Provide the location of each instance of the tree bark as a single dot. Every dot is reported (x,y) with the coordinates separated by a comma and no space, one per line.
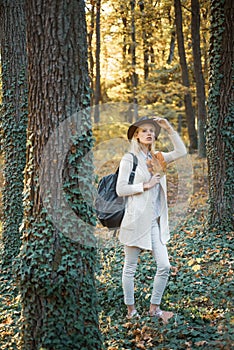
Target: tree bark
(98,72)
(123,13)
(144,40)
(221,116)
(200,84)
(146,29)
(134,75)
(13,120)
(57,260)
(90,48)
(185,78)
(172,47)
(129,57)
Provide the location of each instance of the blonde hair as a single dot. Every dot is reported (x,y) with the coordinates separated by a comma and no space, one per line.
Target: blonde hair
(135,146)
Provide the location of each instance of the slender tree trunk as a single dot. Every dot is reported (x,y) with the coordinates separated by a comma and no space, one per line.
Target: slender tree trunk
(144,40)
(13,120)
(123,14)
(185,78)
(146,28)
(57,260)
(200,84)
(221,116)
(172,47)
(90,48)
(129,56)
(98,73)
(145,35)
(133,57)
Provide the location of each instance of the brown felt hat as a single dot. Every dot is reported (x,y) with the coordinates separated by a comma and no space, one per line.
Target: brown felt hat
(139,122)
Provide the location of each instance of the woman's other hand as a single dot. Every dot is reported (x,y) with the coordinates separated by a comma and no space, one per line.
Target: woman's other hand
(155,179)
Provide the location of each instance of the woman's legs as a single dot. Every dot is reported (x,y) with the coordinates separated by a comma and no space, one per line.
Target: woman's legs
(129,269)
(160,255)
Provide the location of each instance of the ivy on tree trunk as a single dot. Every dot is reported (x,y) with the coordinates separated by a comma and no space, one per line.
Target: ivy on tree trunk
(221,116)
(13,121)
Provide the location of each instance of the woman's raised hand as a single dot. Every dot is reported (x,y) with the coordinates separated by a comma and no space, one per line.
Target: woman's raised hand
(163,123)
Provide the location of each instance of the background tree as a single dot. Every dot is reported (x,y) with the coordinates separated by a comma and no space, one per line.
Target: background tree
(172,47)
(189,111)
(148,51)
(13,120)
(127,11)
(97,92)
(91,27)
(134,76)
(55,270)
(200,83)
(221,115)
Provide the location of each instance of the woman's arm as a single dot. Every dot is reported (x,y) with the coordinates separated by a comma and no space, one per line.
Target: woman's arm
(179,147)
(123,188)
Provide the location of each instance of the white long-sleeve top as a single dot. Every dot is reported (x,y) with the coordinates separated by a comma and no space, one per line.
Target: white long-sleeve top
(135,228)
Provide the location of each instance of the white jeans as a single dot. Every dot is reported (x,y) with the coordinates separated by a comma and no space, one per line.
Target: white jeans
(160,255)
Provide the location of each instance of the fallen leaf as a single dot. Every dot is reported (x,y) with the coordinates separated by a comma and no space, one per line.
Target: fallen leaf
(201,343)
(191,262)
(196,267)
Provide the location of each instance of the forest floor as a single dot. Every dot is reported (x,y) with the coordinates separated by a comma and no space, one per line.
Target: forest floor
(199,293)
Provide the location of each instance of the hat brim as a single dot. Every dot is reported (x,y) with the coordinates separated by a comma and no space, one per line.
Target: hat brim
(132,129)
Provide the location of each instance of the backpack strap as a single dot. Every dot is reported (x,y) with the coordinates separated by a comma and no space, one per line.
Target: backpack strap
(134,166)
(131,177)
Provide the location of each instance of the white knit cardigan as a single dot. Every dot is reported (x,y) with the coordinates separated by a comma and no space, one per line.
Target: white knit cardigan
(135,228)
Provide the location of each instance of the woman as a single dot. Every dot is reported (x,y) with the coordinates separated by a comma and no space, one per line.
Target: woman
(145,222)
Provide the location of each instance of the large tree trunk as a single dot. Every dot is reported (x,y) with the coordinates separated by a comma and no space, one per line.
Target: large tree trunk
(200,84)
(221,116)
(185,78)
(13,120)
(57,259)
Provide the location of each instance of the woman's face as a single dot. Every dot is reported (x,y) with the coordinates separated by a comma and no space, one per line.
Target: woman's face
(145,134)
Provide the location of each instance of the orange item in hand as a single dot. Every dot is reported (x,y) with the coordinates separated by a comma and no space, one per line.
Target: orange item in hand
(157,164)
